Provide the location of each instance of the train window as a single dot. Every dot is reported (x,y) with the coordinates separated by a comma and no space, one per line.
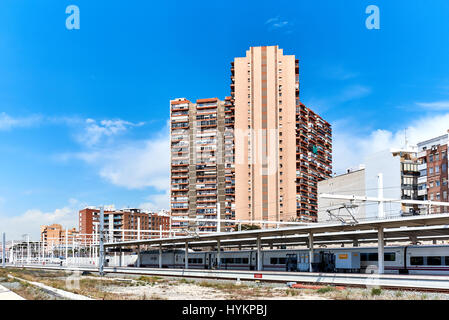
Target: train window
(434,261)
(278,260)
(238,260)
(372,257)
(363,257)
(446,261)
(195,260)
(416,261)
(245,260)
(390,256)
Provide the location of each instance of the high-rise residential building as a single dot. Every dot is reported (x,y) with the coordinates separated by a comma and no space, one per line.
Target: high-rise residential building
(257,155)
(433,168)
(198,163)
(282,148)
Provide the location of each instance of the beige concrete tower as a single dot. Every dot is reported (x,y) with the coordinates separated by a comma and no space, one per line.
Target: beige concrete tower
(265,143)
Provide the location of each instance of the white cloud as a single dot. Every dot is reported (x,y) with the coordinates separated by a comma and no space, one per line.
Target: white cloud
(7,122)
(133,164)
(437,105)
(30,221)
(156,202)
(138,165)
(350,148)
(94,132)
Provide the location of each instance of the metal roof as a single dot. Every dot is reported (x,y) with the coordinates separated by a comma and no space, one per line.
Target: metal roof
(365,231)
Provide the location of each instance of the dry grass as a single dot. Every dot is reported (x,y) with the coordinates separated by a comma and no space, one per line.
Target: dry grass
(109,288)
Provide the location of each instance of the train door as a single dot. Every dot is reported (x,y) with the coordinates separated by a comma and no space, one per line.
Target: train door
(252,260)
(292,262)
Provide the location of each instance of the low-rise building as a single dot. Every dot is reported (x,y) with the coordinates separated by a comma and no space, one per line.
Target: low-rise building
(127,224)
(399,169)
(433,169)
(54,234)
(350,183)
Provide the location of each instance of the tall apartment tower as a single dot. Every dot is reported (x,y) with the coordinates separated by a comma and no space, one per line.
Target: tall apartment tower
(256,155)
(201,172)
(282,148)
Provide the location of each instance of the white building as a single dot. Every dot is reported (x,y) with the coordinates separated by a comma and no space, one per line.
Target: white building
(400,173)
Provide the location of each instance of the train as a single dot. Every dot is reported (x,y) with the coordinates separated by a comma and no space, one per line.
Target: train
(407,259)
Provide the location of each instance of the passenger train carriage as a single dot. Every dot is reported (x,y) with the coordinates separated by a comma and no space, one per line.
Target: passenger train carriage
(413,259)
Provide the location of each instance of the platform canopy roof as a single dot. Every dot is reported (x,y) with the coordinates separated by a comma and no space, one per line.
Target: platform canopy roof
(435,226)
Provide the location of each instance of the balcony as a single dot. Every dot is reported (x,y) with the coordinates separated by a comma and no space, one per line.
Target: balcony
(422,166)
(422,192)
(422,179)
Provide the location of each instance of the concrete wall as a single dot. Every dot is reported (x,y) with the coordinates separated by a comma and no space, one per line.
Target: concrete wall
(383,162)
(352,183)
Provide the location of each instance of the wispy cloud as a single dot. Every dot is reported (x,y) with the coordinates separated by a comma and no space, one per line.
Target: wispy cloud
(353,92)
(133,164)
(338,72)
(156,201)
(350,148)
(277,23)
(29,221)
(436,105)
(93,132)
(8,122)
(348,93)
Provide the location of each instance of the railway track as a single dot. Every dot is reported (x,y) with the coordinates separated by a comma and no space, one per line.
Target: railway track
(405,282)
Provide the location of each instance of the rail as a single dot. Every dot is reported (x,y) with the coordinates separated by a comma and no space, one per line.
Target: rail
(437,283)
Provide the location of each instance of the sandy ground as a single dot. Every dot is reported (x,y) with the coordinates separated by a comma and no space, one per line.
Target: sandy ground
(192,291)
(6,294)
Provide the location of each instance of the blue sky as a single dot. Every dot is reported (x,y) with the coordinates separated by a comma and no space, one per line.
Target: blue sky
(83,113)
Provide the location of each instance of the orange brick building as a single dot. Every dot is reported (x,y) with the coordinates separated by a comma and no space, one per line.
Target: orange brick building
(55,234)
(119,223)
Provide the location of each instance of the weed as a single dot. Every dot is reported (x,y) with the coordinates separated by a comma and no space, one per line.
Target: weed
(376,291)
(325,289)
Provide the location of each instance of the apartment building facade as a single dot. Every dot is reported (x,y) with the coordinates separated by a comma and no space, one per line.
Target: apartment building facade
(127,223)
(257,155)
(433,168)
(55,234)
(198,183)
(282,147)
